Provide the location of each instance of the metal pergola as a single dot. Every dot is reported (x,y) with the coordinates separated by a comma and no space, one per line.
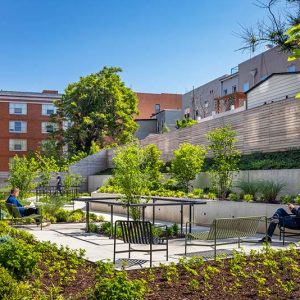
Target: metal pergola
(151,202)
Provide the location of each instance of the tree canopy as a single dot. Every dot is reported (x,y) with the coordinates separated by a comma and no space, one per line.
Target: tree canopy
(280,16)
(99,109)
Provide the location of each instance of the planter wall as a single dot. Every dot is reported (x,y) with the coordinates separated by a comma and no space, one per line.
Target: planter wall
(203,214)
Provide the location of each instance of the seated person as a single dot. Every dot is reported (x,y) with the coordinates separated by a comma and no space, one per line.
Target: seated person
(280,216)
(24,210)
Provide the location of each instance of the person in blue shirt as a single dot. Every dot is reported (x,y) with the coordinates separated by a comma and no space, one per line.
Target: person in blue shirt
(24,210)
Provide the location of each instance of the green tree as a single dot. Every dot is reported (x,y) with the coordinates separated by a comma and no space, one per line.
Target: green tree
(187,163)
(99,109)
(152,165)
(128,174)
(281,15)
(294,39)
(136,170)
(225,157)
(23,174)
(45,166)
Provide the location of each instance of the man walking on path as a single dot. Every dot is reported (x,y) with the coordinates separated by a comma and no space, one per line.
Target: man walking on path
(58,184)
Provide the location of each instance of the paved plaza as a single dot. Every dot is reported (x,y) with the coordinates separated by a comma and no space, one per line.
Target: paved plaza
(100,248)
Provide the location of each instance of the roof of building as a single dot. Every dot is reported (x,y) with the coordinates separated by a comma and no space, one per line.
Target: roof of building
(267,78)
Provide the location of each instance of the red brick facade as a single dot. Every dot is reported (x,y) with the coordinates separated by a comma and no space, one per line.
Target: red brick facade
(148,101)
(33,118)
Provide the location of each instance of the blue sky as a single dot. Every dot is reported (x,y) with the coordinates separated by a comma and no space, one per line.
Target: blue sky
(161,45)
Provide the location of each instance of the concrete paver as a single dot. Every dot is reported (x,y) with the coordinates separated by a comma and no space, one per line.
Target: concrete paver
(99,247)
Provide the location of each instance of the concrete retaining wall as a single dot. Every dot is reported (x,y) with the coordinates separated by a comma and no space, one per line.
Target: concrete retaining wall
(203,214)
(96,181)
(90,165)
(290,176)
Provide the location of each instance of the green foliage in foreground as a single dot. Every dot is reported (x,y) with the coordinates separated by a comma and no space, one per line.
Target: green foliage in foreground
(116,285)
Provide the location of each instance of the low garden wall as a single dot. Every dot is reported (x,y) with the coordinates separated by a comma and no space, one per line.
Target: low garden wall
(203,214)
(290,176)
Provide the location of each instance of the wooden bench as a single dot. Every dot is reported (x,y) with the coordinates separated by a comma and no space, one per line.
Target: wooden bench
(224,229)
(16,216)
(139,233)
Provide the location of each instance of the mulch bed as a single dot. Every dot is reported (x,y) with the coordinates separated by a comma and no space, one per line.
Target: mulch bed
(228,282)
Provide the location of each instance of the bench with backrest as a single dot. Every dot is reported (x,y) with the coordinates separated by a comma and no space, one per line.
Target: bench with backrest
(228,230)
(16,216)
(291,232)
(139,233)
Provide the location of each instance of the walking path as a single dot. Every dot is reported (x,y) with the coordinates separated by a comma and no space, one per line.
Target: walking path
(99,247)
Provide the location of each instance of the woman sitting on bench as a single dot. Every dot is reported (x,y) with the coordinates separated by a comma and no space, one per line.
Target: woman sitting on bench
(24,210)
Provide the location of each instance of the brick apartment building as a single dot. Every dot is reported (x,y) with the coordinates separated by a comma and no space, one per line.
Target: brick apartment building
(24,119)
(24,122)
(150,104)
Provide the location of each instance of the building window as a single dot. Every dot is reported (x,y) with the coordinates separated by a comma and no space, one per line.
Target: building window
(291,68)
(234,88)
(48,127)
(17,108)
(225,92)
(17,126)
(17,145)
(157,108)
(48,109)
(246,86)
(206,103)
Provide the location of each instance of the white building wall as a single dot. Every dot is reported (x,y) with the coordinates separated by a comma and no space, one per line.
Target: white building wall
(276,88)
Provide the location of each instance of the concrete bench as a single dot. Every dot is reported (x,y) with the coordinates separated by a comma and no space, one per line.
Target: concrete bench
(224,229)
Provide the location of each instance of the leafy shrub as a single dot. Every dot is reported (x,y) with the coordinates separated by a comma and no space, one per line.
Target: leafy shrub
(170,231)
(94,228)
(249,187)
(273,160)
(297,200)
(198,193)
(115,285)
(18,257)
(49,218)
(10,289)
(105,228)
(61,215)
(16,233)
(248,198)
(75,217)
(233,197)
(175,229)
(211,196)
(270,189)
(185,122)
(285,199)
